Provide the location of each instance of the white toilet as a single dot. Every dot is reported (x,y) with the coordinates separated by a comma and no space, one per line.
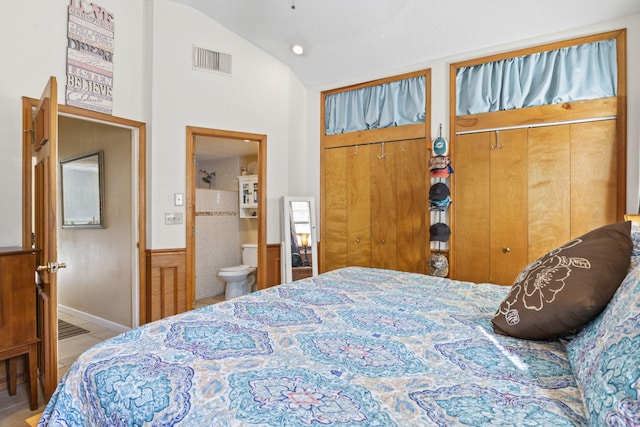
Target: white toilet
(240,279)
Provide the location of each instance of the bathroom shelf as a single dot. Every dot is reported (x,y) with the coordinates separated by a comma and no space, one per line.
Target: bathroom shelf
(248,196)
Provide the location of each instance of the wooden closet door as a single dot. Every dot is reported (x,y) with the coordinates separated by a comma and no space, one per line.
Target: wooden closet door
(508,205)
(383,206)
(334,246)
(471,207)
(358,206)
(594,176)
(412,201)
(549,189)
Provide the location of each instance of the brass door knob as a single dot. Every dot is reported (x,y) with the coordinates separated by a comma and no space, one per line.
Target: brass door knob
(51,267)
(506,250)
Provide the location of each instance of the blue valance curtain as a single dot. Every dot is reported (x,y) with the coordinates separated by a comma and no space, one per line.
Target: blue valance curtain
(390,104)
(574,73)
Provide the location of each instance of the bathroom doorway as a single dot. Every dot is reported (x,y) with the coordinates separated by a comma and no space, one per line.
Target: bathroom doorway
(216,226)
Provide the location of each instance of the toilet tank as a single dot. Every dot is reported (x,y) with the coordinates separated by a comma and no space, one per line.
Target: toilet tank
(250,254)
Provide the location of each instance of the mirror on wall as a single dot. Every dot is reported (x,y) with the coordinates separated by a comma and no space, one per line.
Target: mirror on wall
(82,191)
(299,252)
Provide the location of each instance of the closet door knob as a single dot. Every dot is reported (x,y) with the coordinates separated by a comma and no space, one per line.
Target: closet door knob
(383,241)
(506,250)
(357,240)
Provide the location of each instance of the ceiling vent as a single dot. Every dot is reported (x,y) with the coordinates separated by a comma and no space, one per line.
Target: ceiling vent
(209,60)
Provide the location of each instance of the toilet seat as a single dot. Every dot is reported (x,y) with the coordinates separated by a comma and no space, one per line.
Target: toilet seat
(236,268)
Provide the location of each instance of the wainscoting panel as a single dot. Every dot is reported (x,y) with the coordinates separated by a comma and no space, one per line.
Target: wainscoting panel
(166,283)
(273,265)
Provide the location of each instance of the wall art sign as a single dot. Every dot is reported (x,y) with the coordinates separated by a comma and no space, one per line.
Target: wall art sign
(90,57)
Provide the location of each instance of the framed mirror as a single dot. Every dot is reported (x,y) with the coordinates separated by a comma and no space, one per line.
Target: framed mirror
(82,187)
(299,239)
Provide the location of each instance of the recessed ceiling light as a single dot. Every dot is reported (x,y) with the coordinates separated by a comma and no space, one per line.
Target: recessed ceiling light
(297,49)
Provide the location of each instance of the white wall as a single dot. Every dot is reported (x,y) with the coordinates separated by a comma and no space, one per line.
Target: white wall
(261,97)
(154,83)
(440,96)
(33,47)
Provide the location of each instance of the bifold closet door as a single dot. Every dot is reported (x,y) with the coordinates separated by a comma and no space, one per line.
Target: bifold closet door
(594,176)
(412,201)
(471,201)
(490,206)
(376,206)
(399,200)
(335,210)
(358,205)
(549,189)
(508,207)
(572,182)
(347,214)
(535,190)
(383,206)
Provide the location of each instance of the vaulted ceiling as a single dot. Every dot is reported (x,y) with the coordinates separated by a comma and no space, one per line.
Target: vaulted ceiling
(352,40)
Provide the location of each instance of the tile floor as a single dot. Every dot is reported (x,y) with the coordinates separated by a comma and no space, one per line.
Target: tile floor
(208,301)
(15,409)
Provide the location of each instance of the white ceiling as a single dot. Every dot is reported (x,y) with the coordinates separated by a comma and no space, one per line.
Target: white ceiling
(348,40)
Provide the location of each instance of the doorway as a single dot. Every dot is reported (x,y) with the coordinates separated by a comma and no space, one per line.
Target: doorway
(209,148)
(99,286)
(48,359)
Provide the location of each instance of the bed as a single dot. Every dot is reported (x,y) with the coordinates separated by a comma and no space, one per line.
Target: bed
(358,347)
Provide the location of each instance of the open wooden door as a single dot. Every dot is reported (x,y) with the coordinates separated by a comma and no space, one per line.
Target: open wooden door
(43,127)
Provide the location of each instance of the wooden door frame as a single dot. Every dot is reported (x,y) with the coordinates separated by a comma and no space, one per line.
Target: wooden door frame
(190,200)
(367,137)
(553,113)
(28,104)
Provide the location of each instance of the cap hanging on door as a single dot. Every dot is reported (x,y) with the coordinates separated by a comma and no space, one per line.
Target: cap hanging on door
(438,265)
(439,146)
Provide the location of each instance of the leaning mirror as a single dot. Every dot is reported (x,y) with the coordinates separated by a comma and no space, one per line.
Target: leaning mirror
(299,242)
(82,191)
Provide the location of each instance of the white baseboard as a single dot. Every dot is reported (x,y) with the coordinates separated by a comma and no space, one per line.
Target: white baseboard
(93,319)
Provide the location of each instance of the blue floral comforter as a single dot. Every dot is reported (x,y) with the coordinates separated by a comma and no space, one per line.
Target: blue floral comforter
(352,347)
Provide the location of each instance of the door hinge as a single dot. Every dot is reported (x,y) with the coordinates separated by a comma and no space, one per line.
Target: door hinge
(193,157)
(33,239)
(33,136)
(193,231)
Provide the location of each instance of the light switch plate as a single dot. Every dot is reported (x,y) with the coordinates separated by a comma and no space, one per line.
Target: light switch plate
(172,218)
(178,199)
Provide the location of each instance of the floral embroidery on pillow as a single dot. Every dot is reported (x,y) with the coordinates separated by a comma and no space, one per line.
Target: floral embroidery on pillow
(541,281)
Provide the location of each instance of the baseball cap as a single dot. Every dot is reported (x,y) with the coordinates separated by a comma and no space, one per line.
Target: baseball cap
(439,232)
(442,173)
(439,147)
(439,162)
(438,265)
(439,191)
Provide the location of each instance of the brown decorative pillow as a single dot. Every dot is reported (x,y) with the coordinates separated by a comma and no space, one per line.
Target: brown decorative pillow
(568,287)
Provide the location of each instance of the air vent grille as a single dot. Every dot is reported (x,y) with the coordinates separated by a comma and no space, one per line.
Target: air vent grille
(209,60)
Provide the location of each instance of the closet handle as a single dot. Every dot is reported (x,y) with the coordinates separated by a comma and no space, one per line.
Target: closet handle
(506,250)
(357,240)
(383,241)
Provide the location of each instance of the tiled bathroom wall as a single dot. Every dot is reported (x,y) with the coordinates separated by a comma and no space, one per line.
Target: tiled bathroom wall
(217,238)
(226,170)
